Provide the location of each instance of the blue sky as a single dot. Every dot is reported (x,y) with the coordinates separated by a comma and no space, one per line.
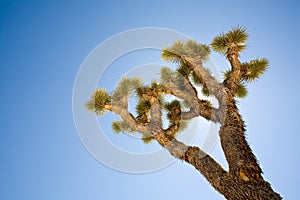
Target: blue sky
(42,45)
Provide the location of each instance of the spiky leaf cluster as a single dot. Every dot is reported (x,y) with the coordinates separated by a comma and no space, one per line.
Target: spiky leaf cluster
(99,99)
(149,91)
(227,74)
(174,111)
(199,82)
(205,91)
(165,74)
(190,49)
(121,126)
(236,37)
(241,90)
(184,70)
(251,71)
(178,77)
(254,69)
(173,53)
(147,139)
(196,80)
(143,107)
(182,126)
(125,87)
(193,48)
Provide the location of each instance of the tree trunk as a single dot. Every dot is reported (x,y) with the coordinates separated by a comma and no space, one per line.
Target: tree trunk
(243,180)
(233,186)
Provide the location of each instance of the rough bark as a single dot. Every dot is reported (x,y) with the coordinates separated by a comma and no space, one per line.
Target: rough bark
(232,186)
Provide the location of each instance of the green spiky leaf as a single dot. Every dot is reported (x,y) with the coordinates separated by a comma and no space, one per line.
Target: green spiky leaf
(165,74)
(219,43)
(125,87)
(140,91)
(196,80)
(174,53)
(99,99)
(227,74)
(174,110)
(116,127)
(147,139)
(135,83)
(182,126)
(254,69)
(152,90)
(143,107)
(237,36)
(241,91)
(205,91)
(193,48)
(121,126)
(155,86)
(190,48)
(169,106)
(184,70)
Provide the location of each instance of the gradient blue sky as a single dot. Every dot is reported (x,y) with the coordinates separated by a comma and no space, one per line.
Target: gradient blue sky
(42,45)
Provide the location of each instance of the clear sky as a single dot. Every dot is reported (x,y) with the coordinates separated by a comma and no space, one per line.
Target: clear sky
(42,45)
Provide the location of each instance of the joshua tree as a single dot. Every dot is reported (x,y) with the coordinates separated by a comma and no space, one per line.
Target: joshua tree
(244,178)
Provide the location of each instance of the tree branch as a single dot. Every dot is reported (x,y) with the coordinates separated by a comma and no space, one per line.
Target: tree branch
(239,156)
(234,78)
(198,107)
(206,165)
(211,83)
(241,160)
